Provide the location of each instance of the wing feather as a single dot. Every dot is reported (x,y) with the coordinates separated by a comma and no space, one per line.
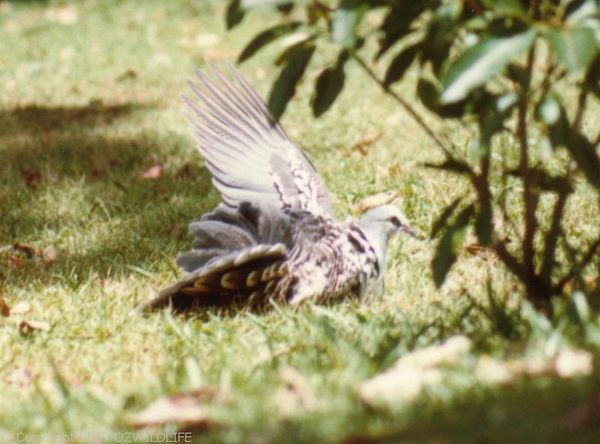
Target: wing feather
(249,156)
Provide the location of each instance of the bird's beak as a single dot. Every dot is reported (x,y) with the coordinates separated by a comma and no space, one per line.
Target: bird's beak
(412,233)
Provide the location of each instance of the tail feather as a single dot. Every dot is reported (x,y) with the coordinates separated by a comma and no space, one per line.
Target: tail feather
(249,274)
(236,253)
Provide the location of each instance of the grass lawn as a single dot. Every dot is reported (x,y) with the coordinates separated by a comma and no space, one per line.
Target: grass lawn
(89,103)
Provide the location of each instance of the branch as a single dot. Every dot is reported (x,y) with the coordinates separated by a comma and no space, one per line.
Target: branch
(587,258)
(552,238)
(529,197)
(407,107)
(581,102)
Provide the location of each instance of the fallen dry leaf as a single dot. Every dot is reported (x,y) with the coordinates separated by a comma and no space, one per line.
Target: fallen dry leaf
(24,248)
(296,397)
(571,363)
(154,172)
(20,308)
(28,327)
(187,410)
(399,385)
(362,145)
(405,380)
(448,352)
(49,254)
(207,39)
(376,200)
(485,253)
(63,15)
(491,371)
(20,377)
(16,262)
(129,74)
(216,53)
(4,308)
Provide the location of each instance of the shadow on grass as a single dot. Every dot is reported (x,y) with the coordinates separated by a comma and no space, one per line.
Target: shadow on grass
(71,176)
(66,141)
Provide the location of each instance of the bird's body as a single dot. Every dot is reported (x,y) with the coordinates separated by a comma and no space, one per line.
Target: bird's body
(274,236)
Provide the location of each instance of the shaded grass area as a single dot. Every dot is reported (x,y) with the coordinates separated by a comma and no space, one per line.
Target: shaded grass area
(89,101)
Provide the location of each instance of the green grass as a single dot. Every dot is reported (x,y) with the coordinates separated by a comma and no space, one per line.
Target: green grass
(88,103)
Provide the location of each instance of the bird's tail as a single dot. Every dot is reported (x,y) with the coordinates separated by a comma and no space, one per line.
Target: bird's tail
(237,254)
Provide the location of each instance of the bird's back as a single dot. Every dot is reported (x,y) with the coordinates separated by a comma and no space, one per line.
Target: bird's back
(328,259)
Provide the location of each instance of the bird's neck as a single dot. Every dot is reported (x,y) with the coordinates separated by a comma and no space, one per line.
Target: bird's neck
(377,238)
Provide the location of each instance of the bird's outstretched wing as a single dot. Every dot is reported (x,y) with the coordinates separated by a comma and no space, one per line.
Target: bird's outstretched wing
(249,156)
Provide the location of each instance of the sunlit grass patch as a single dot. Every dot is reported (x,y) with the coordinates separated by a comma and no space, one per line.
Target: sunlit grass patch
(89,102)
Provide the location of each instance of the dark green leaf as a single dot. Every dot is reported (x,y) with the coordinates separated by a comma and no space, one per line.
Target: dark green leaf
(285,8)
(480,62)
(400,64)
(442,219)
(397,23)
(302,41)
(574,48)
(265,37)
(517,74)
(284,87)
(329,85)
(446,251)
(429,95)
(440,34)
(234,14)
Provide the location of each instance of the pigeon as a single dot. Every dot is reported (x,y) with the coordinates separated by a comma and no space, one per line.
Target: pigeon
(273,237)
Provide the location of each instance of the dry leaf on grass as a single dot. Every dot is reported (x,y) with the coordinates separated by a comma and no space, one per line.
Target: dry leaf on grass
(31,177)
(154,172)
(187,410)
(27,249)
(15,262)
(571,363)
(28,327)
(20,377)
(485,253)
(362,145)
(63,15)
(20,308)
(405,380)
(18,252)
(49,254)
(566,364)
(4,308)
(376,200)
(296,397)
(129,74)
(492,371)
(206,40)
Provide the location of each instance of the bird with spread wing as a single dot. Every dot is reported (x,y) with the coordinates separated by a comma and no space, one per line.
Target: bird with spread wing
(274,235)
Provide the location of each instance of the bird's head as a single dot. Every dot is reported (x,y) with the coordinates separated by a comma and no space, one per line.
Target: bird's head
(388,220)
(381,223)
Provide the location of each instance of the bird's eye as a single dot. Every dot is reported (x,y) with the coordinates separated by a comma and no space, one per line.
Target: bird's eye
(395,221)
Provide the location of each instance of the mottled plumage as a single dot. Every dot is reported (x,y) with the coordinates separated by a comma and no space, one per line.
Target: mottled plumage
(274,236)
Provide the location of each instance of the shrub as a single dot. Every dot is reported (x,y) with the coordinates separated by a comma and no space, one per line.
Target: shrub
(501,67)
